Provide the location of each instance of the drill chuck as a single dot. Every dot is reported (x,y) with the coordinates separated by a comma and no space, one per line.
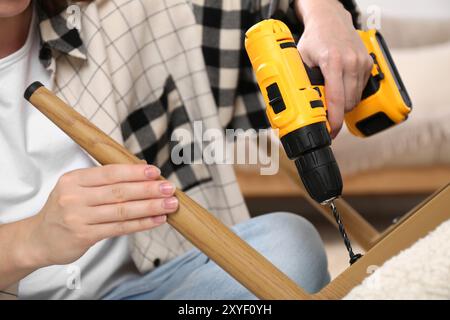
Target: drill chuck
(310,147)
(320,174)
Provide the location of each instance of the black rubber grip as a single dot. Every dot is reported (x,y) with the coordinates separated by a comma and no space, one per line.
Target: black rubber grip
(286,45)
(309,146)
(31,89)
(315,75)
(316,78)
(320,174)
(306,139)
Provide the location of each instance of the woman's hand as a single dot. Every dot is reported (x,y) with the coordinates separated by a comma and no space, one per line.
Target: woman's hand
(89,205)
(331,42)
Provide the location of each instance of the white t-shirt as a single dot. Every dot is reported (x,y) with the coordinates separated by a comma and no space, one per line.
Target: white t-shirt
(34,153)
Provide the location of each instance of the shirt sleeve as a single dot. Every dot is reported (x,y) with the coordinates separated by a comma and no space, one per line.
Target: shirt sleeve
(223,24)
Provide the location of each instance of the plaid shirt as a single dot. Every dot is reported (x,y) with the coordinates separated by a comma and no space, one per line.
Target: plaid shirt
(143,71)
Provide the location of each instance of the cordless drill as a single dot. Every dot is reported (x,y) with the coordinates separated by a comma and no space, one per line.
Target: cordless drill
(295,103)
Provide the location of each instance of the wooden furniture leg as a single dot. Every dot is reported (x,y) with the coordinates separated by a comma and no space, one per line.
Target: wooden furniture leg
(195,223)
(406,216)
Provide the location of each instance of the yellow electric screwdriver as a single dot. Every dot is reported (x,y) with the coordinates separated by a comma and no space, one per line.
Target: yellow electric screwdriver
(295,104)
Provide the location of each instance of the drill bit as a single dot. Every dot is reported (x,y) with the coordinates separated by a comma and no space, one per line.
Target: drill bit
(353,257)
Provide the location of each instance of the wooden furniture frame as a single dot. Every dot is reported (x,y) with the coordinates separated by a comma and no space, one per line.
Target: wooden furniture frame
(391,181)
(230,252)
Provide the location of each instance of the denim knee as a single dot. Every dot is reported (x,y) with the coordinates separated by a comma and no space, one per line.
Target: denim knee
(295,246)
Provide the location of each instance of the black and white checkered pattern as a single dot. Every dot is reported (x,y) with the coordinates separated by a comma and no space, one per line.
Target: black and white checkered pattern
(145,70)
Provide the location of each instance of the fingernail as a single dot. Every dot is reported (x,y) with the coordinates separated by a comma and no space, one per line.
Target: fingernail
(170,203)
(166,188)
(159,219)
(152,172)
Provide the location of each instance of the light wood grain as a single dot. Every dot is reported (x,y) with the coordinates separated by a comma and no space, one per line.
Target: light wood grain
(200,227)
(386,181)
(287,183)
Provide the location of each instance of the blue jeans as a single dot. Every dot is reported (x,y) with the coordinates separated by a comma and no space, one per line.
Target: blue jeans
(287,240)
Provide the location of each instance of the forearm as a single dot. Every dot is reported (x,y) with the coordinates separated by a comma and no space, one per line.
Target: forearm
(17,257)
(311,9)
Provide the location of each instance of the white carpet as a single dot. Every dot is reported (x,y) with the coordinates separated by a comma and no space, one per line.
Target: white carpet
(419,272)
